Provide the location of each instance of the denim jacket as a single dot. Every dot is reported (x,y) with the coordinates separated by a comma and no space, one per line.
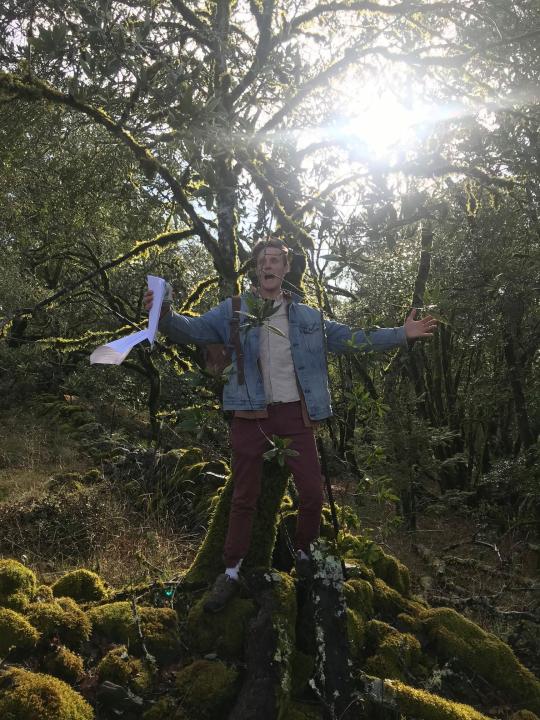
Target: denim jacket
(308,349)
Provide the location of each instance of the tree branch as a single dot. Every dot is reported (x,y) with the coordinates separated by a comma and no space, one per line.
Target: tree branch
(158,241)
(35,90)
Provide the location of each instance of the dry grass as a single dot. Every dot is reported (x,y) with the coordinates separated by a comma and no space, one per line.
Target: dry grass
(99,529)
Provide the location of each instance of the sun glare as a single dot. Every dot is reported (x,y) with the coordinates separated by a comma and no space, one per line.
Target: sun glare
(378,125)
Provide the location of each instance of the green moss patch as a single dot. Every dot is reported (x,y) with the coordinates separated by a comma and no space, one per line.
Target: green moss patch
(482,652)
(17,585)
(355,632)
(390,602)
(17,636)
(81,585)
(159,626)
(64,664)
(61,619)
(34,696)
(206,689)
(302,668)
(359,596)
(414,703)
(394,653)
(223,632)
(119,667)
(302,711)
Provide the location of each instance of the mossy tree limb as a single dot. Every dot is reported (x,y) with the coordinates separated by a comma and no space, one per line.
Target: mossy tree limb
(269,646)
(209,560)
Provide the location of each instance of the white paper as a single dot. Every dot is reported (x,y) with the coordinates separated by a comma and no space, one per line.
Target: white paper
(115,352)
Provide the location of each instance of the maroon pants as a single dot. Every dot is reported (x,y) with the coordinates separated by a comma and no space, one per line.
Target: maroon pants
(249,442)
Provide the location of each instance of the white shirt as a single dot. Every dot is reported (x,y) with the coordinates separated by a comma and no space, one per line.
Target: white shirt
(275,357)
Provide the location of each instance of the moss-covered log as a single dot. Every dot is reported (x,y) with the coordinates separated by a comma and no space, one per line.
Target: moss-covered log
(270,642)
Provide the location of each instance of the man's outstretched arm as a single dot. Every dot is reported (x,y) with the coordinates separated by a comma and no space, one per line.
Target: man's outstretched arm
(341,338)
(182,329)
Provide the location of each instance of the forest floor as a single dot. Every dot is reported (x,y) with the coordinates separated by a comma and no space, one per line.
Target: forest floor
(458,556)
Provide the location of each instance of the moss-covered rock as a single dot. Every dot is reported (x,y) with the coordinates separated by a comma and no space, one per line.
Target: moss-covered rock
(283,612)
(524,715)
(385,566)
(394,653)
(113,622)
(358,570)
(414,703)
(81,585)
(208,562)
(393,572)
(64,664)
(206,689)
(35,696)
(223,632)
(17,636)
(65,483)
(62,619)
(359,596)
(17,585)
(167,708)
(44,594)
(119,667)
(390,602)
(159,626)
(161,633)
(355,632)
(482,652)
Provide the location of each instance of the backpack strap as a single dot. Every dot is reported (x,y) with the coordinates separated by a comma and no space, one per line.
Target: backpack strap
(235,338)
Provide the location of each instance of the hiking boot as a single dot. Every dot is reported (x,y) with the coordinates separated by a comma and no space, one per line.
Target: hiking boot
(222,591)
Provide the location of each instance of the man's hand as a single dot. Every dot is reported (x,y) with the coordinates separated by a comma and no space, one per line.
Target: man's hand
(415,329)
(148,300)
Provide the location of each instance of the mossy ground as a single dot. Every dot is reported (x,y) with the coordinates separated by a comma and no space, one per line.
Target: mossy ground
(392,633)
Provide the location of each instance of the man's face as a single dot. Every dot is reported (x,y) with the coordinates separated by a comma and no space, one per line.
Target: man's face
(271,269)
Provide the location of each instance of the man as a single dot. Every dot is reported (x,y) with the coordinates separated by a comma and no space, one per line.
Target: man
(284,389)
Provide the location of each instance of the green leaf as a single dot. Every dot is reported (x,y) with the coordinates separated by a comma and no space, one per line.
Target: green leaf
(276,330)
